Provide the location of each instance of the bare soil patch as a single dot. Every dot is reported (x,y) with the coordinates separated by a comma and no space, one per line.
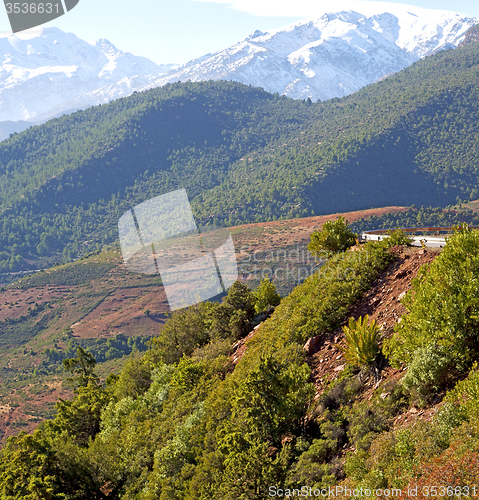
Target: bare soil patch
(123,311)
(26,417)
(15,303)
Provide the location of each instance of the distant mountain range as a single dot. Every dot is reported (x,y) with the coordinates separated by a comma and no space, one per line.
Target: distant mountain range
(46,72)
(332,56)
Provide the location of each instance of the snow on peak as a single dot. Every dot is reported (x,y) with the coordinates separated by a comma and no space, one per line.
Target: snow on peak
(45,71)
(334,54)
(44,67)
(104,45)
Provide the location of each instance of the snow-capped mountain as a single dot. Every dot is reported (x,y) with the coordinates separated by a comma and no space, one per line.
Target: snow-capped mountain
(46,72)
(43,69)
(332,56)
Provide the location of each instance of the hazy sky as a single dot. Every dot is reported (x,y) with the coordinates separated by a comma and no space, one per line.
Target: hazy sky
(175,31)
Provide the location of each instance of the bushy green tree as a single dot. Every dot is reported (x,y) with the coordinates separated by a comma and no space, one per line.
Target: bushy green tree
(82,368)
(272,398)
(465,398)
(196,326)
(53,463)
(398,237)
(266,296)
(240,297)
(334,236)
(184,331)
(80,418)
(430,369)
(312,467)
(43,466)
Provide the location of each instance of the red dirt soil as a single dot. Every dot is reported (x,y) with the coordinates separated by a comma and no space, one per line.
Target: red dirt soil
(289,232)
(15,303)
(10,416)
(124,312)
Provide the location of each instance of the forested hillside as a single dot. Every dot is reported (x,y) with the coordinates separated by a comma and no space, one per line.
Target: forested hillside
(183,423)
(243,155)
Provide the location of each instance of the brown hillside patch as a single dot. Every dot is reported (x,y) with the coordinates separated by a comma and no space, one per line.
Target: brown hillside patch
(472,205)
(26,416)
(15,303)
(263,236)
(123,311)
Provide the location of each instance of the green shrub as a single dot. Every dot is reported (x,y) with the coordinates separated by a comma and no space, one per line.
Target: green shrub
(398,237)
(365,422)
(444,305)
(429,370)
(449,417)
(240,297)
(185,330)
(466,396)
(272,398)
(311,467)
(340,392)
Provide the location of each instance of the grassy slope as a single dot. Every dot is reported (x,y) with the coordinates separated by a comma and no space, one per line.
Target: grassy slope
(95,298)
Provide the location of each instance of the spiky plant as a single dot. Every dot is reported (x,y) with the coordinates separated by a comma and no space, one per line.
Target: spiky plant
(362,348)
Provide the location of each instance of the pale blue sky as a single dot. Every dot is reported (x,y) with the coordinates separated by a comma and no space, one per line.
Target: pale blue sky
(175,31)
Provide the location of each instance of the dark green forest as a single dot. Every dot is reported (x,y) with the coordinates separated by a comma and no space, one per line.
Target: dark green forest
(242,154)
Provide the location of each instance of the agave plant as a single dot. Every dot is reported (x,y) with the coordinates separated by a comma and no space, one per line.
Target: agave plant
(362,348)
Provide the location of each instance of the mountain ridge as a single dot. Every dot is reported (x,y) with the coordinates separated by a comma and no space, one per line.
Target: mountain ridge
(47,73)
(46,67)
(331,56)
